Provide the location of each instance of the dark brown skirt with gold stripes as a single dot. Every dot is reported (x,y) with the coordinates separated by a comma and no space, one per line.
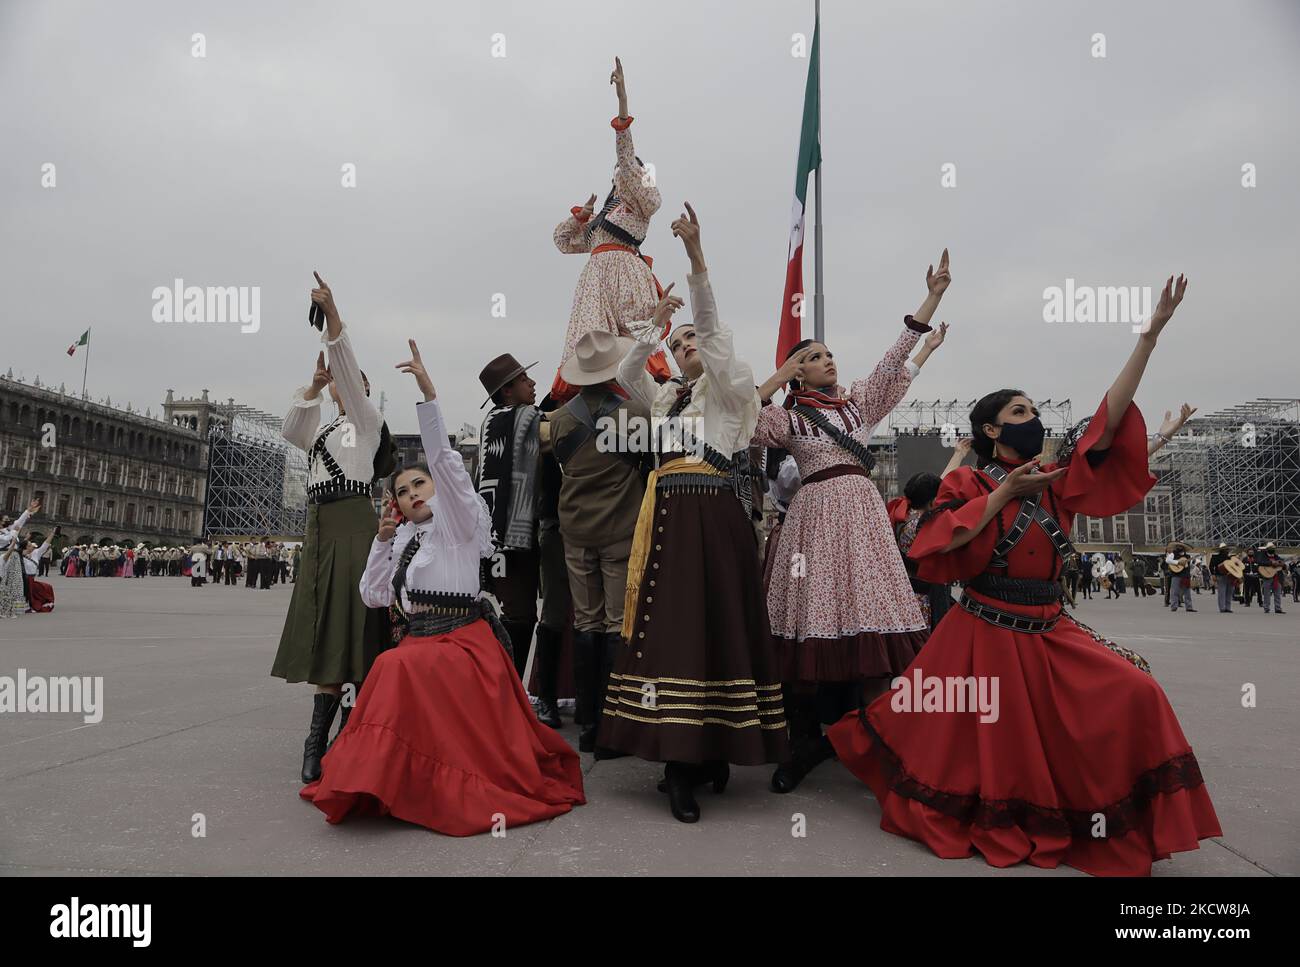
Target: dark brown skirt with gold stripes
(698,680)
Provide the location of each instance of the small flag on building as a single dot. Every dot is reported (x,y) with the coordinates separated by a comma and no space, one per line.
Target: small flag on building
(83,341)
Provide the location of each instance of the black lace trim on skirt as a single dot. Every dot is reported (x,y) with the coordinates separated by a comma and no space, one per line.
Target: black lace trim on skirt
(1174,775)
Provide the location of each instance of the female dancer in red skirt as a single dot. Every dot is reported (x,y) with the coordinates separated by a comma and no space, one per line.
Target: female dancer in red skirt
(442,734)
(1078,757)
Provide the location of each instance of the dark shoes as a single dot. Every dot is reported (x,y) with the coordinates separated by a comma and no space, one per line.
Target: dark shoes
(609,645)
(343,724)
(808,755)
(548,670)
(680,780)
(324,707)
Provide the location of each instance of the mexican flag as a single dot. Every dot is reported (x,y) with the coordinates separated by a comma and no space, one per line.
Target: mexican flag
(83,341)
(810,159)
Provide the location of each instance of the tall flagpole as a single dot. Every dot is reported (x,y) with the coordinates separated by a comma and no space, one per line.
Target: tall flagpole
(87,367)
(819,315)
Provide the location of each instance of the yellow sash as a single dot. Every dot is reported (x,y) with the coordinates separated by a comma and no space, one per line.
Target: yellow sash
(645,527)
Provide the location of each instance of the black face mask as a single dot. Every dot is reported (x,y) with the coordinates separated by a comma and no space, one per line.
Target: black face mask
(1025,438)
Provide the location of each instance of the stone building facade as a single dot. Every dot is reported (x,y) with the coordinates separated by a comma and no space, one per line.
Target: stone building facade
(100,472)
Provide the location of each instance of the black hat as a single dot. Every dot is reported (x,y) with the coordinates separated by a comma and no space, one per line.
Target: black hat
(499,373)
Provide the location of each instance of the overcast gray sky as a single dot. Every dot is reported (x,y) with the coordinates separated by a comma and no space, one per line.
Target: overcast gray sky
(225,170)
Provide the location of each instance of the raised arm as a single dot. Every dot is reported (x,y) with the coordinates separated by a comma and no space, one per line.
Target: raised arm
(634,187)
(1121,392)
(32,508)
(462,509)
(959,453)
(303,418)
(733,379)
(631,371)
(343,368)
(1169,428)
(880,392)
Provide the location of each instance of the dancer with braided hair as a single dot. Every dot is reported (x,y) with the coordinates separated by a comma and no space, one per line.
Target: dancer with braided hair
(330,638)
(1078,757)
(841,606)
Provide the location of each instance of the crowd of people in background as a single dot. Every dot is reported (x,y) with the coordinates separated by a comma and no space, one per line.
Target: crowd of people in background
(1232,573)
(24,563)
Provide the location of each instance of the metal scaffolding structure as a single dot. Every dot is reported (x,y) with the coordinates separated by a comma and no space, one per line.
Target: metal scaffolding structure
(925,418)
(918,417)
(257,481)
(1238,471)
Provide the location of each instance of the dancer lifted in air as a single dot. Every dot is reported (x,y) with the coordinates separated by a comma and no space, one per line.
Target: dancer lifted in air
(616,288)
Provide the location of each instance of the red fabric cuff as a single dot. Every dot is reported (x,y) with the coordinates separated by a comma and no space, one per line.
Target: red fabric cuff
(621,124)
(580,214)
(1120,480)
(915,326)
(936,533)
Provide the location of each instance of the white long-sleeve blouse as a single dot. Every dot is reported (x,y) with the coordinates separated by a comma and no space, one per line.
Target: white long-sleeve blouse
(452,541)
(339,460)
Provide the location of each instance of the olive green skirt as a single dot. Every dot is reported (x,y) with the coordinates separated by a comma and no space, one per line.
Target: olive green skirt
(329,636)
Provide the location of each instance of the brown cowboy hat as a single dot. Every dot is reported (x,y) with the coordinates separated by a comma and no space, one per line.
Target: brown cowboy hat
(499,373)
(596,358)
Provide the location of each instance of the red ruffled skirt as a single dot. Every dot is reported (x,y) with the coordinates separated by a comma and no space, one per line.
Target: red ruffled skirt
(42,596)
(443,735)
(1085,764)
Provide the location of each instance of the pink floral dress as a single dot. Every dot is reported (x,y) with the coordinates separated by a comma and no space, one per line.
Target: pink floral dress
(840,602)
(616,287)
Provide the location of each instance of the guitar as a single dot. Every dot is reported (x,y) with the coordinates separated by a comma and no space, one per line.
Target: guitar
(1179,566)
(1234,568)
(1267,571)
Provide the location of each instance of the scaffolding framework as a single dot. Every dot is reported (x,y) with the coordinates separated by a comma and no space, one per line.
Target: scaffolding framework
(257,480)
(1251,467)
(915,417)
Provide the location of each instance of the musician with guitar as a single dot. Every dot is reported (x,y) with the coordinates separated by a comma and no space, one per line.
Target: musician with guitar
(1227,571)
(1270,577)
(1178,562)
(1250,585)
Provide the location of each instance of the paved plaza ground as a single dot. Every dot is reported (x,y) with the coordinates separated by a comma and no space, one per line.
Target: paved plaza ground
(193,723)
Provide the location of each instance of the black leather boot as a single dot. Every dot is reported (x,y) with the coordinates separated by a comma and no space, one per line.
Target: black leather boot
(716,771)
(611,645)
(324,706)
(547,664)
(680,777)
(521,639)
(587,649)
(809,748)
(808,755)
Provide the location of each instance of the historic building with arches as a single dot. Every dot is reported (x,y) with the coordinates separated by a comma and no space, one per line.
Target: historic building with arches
(102,473)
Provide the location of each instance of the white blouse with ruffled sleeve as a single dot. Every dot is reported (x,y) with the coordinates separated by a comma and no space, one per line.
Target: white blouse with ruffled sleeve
(452,540)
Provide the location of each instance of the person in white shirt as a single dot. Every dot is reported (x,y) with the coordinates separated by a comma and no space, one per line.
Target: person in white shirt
(199,564)
(40,596)
(443,734)
(1108,571)
(12,581)
(330,637)
(694,616)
